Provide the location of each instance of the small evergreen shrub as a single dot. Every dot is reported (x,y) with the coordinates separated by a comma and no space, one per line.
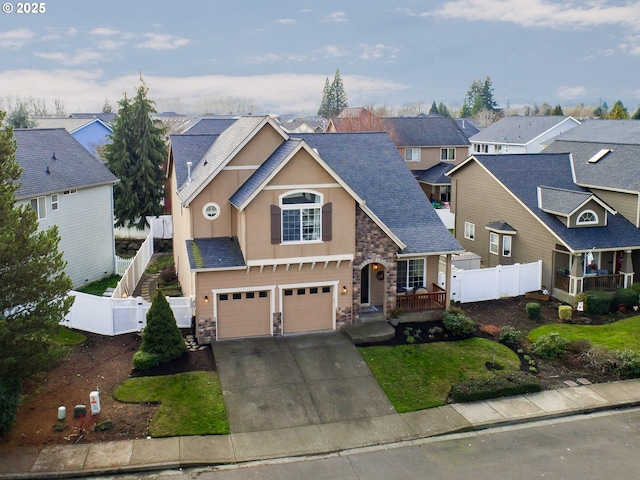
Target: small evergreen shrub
(10,397)
(499,385)
(162,336)
(458,324)
(533,311)
(565,312)
(145,360)
(549,346)
(626,297)
(509,336)
(627,363)
(598,302)
(636,288)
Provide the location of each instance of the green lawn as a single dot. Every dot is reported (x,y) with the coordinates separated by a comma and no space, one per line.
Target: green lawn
(66,336)
(99,287)
(623,334)
(416,377)
(190,403)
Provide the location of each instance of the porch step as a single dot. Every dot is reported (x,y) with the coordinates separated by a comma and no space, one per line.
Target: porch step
(369,332)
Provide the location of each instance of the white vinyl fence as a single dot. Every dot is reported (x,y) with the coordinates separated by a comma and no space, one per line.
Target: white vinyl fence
(115,316)
(493,283)
(136,268)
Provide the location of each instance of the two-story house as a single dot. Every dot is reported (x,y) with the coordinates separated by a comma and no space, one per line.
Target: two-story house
(574,206)
(280,233)
(92,133)
(70,188)
(519,134)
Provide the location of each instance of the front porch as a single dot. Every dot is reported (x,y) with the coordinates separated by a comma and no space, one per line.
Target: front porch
(422,300)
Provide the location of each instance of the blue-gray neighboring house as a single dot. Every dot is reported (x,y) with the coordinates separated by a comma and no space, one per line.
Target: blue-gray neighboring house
(70,188)
(92,133)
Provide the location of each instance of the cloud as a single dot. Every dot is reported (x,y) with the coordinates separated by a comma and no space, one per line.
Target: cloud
(104,32)
(162,41)
(110,45)
(541,13)
(332,51)
(372,52)
(568,92)
(15,38)
(81,57)
(335,17)
(286,21)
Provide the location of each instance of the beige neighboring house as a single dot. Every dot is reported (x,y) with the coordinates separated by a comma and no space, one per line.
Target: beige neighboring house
(278,233)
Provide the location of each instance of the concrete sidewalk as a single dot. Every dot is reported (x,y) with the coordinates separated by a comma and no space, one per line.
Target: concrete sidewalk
(87,460)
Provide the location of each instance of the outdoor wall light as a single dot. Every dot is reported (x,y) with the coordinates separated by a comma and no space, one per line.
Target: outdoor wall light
(344,290)
(375,266)
(206,299)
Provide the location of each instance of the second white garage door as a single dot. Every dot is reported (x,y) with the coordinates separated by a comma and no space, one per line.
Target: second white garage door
(243,314)
(307,309)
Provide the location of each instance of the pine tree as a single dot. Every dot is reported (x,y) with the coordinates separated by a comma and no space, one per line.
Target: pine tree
(443,110)
(618,112)
(557,111)
(323,111)
(636,114)
(106,107)
(334,98)
(32,280)
(480,97)
(434,109)
(162,336)
(136,156)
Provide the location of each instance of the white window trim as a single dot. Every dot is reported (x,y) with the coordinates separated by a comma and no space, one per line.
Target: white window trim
(55,204)
(469,231)
(424,271)
(300,206)
(41,207)
(506,252)
(413,150)
(494,241)
(206,206)
(590,222)
(448,150)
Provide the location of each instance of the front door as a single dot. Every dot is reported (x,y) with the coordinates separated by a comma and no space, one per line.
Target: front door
(364,286)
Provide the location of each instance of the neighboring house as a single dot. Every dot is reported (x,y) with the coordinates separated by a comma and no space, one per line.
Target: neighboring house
(92,133)
(577,211)
(280,233)
(105,117)
(517,134)
(69,188)
(314,124)
(604,131)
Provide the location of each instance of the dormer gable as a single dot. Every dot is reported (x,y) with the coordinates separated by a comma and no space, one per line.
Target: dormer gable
(575,209)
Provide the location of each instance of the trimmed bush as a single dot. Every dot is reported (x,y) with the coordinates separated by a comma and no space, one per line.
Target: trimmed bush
(458,324)
(510,336)
(10,397)
(597,303)
(626,297)
(162,336)
(565,312)
(549,346)
(499,385)
(626,363)
(533,311)
(145,360)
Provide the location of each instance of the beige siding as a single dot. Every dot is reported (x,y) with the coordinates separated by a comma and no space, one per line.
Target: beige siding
(430,156)
(596,208)
(477,198)
(181,218)
(626,204)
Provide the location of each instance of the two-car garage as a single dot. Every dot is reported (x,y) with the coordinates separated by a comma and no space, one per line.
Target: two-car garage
(250,313)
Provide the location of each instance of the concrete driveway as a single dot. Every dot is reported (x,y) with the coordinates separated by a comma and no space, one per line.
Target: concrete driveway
(287,381)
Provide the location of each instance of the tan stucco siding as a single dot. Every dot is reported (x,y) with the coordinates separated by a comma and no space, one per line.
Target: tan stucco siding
(594,207)
(626,204)
(430,156)
(181,218)
(479,199)
(258,149)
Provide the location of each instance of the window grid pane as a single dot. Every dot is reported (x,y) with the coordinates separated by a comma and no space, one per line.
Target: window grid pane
(402,274)
(416,273)
(311,224)
(290,225)
(493,243)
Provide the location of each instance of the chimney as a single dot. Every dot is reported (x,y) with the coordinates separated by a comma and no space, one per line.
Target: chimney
(189,171)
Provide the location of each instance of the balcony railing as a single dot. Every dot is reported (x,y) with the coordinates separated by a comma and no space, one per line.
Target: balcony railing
(606,283)
(421,302)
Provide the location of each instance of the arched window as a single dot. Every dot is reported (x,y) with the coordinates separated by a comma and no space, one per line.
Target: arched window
(588,217)
(301,217)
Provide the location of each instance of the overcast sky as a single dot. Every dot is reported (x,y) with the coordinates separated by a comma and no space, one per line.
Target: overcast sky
(276,55)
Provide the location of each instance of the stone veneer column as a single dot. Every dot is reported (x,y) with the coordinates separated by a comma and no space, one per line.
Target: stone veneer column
(373,246)
(205,330)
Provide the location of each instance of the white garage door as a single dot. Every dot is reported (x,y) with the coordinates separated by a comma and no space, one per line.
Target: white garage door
(243,314)
(307,309)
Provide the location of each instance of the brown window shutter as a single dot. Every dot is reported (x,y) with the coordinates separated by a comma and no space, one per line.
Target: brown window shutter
(275,224)
(326,222)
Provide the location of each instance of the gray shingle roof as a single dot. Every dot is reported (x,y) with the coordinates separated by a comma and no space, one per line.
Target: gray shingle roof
(188,148)
(220,252)
(213,126)
(618,170)
(425,131)
(604,131)
(517,130)
(436,174)
(523,173)
(561,201)
(371,165)
(69,124)
(73,167)
(501,226)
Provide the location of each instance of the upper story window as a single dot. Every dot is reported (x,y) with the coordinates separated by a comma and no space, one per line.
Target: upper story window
(55,202)
(39,206)
(469,231)
(211,211)
(588,217)
(447,154)
(494,240)
(411,154)
(481,148)
(301,217)
(506,246)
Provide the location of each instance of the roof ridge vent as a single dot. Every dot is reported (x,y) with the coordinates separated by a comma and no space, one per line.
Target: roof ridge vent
(598,156)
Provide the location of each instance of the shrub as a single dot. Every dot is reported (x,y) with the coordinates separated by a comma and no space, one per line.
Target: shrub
(578,346)
(636,288)
(626,297)
(168,274)
(565,312)
(162,335)
(598,303)
(10,396)
(549,346)
(510,336)
(145,360)
(499,385)
(458,324)
(626,363)
(533,311)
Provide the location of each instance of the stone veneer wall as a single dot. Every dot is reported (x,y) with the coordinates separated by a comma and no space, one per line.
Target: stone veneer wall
(373,246)
(205,330)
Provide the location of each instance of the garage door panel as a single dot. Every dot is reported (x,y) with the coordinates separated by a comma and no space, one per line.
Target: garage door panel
(307,309)
(243,314)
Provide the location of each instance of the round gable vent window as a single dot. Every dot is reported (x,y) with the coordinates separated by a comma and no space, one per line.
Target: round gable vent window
(211,211)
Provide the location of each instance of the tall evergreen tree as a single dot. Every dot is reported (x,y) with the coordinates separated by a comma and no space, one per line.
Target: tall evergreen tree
(434,108)
(323,111)
(618,112)
(106,107)
(443,110)
(334,98)
(32,280)
(480,97)
(136,156)
(557,111)
(636,114)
